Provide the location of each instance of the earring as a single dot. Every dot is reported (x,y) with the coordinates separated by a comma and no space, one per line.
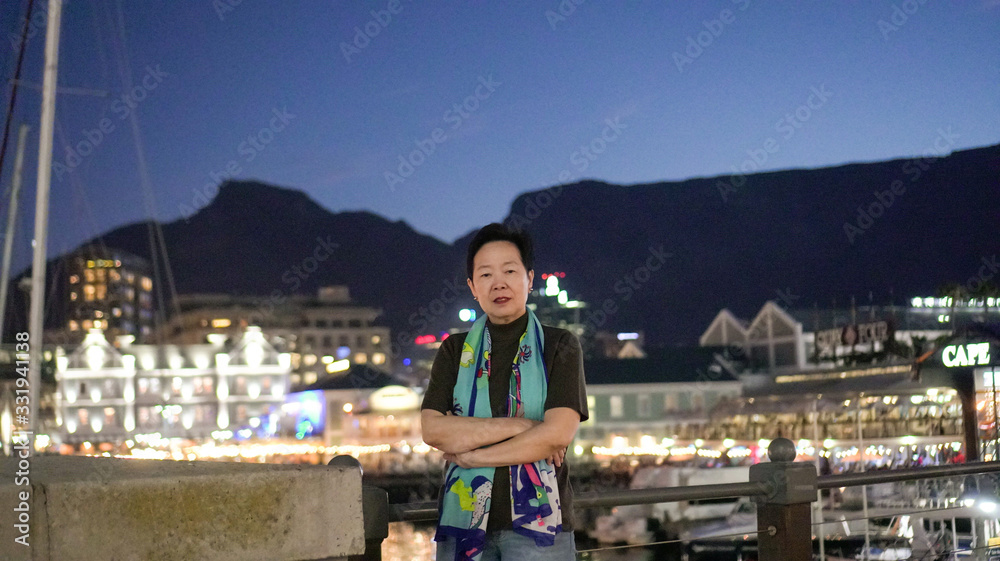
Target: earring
(476,299)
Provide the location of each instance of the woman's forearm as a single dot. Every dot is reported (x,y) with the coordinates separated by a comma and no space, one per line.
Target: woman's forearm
(455,435)
(539,443)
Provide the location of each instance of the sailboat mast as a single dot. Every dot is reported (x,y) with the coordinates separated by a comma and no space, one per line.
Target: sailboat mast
(45,133)
(8,241)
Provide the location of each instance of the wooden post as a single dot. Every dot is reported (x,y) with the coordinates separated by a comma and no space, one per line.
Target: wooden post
(784,523)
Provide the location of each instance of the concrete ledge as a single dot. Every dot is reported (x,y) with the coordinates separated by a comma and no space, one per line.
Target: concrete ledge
(124,510)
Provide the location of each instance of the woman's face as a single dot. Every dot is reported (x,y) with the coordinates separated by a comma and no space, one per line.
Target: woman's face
(499,281)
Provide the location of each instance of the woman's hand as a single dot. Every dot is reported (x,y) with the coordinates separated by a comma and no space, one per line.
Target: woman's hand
(557,458)
(464,460)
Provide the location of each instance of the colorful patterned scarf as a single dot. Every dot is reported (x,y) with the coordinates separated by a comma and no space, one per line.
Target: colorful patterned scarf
(464,505)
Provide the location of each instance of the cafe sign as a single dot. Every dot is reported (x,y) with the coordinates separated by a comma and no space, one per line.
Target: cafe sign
(971,354)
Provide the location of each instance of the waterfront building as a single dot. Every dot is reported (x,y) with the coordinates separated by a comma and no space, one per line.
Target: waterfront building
(105,289)
(112,393)
(656,401)
(872,375)
(324,334)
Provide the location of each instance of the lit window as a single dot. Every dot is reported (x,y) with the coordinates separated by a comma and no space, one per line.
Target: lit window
(310,378)
(617,406)
(88,275)
(360,358)
(88,292)
(117,312)
(309,360)
(102,291)
(73,325)
(378,358)
(100,274)
(84,416)
(73,296)
(98,314)
(98,324)
(220,323)
(88,324)
(146,283)
(73,279)
(114,276)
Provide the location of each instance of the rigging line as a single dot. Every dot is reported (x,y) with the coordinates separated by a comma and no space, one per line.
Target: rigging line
(890,515)
(144,175)
(156,230)
(13,92)
(81,199)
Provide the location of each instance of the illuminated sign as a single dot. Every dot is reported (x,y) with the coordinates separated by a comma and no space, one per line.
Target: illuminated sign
(849,335)
(394,398)
(627,336)
(425,339)
(966,355)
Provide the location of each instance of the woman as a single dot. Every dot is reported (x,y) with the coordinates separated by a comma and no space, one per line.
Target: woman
(503,403)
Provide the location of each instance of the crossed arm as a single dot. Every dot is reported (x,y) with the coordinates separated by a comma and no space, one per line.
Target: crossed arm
(504,441)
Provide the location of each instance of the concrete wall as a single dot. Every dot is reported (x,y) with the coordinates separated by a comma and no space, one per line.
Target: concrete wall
(123,510)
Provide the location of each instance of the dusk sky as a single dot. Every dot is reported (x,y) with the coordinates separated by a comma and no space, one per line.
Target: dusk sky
(508,95)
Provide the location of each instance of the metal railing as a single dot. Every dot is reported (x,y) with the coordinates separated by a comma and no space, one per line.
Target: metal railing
(783,489)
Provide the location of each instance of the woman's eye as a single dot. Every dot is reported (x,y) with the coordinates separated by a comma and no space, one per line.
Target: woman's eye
(484,275)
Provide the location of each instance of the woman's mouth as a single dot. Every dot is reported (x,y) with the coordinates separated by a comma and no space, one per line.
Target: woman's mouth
(501,300)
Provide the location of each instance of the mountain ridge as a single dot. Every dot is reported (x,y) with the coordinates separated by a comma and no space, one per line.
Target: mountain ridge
(733,241)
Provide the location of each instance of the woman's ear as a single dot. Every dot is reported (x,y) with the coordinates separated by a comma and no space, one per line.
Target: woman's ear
(472,289)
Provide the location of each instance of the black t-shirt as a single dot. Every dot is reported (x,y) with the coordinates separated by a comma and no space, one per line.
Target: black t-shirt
(566,388)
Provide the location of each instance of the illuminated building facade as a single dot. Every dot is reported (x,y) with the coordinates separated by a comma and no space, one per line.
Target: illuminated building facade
(109,393)
(324,334)
(668,394)
(109,290)
(553,306)
(780,342)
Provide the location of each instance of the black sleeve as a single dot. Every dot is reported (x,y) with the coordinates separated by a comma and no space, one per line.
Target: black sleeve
(444,373)
(567,386)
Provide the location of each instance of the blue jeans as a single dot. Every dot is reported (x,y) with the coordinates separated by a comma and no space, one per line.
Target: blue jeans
(506,545)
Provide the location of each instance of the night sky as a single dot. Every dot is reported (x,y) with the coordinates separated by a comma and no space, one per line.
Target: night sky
(501,98)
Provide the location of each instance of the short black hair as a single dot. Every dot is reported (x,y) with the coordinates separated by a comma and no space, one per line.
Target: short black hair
(497,232)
